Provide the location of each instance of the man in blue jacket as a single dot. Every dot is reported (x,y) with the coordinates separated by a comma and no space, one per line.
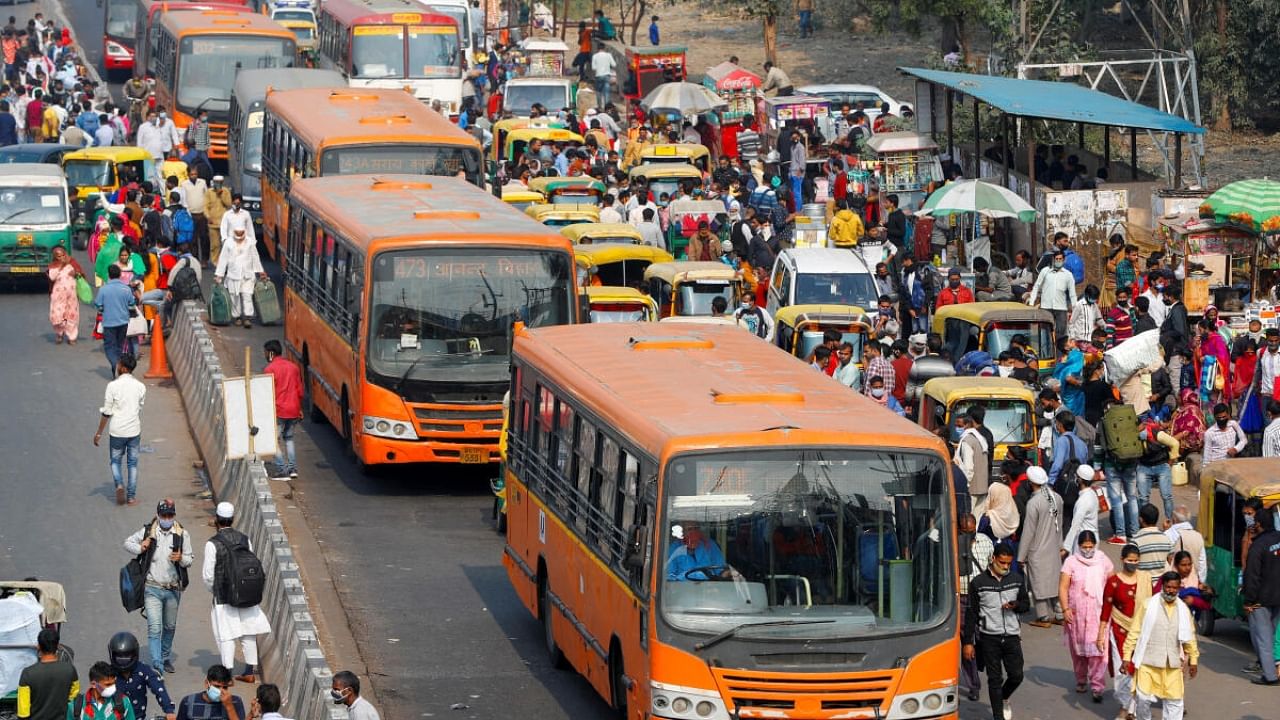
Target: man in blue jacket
(115,301)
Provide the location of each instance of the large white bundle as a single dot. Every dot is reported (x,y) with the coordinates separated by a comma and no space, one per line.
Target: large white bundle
(1132,355)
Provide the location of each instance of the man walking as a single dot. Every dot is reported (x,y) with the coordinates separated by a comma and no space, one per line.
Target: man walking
(1039,545)
(1154,547)
(1225,438)
(195,194)
(45,688)
(976,550)
(973,457)
(122,418)
(1261,595)
(116,302)
(136,678)
(1056,289)
(990,631)
(346,691)
(288,384)
(168,553)
(238,265)
(217,201)
(602,68)
(1154,654)
(231,623)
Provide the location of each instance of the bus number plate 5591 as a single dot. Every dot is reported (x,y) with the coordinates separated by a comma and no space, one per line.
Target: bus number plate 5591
(475,456)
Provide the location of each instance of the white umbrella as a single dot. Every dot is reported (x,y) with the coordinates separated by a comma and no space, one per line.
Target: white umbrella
(976,196)
(683,97)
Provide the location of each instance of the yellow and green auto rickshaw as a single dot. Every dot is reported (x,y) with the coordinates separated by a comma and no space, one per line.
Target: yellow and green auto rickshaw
(1225,485)
(618,264)
(100,171)
(1009,404)
(509,141)
(665,179)
(990,326)
(800,328)
(521,199)
(685,287)
(688,153)
(562,215)
(602,234)
(613,304)
(569,190)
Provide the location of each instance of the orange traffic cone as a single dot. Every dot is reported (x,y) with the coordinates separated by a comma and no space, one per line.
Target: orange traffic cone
(159,368)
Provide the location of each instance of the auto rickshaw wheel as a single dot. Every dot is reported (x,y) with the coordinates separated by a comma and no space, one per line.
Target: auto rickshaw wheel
(80,240)
(1205,623)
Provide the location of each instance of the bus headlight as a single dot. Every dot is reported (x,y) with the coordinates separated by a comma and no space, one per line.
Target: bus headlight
(926,704)
(685,703)
(388,428)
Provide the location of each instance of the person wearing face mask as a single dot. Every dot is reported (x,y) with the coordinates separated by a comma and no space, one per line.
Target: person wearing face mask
(1118,319)
(345,690)
(1154,655)
(102,699)
(1156,284)
(1080,592)
(1261,593)
(215,702)
(885,321)
(990,631)
(1225,438)
(754,318)
(1084,514)
(1125,591)
(878,391)
(1085,316)
(1055,288)
(1038,546)
(1175,329)
(149,137)
(955,293)
(168,553)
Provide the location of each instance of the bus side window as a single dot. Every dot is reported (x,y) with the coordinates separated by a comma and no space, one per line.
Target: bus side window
(610,454)
(586,451)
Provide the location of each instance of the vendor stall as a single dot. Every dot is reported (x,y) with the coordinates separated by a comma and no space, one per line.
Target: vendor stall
(738,87)
(778,116)
(543,57)
(905,164)
(645,68)
(1227,254)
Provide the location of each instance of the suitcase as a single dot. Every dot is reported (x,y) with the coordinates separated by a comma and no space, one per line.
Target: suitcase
(266,302)
(1120,428)
(219,306)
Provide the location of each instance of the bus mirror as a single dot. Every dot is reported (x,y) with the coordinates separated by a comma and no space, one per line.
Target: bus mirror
(635,547)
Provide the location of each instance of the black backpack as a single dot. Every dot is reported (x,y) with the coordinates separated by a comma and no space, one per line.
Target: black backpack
(185,284)
(238,576)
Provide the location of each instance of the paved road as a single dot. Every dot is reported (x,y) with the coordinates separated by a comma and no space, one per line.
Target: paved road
(58,518)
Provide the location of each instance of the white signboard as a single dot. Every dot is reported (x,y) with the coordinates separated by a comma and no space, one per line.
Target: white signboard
(241,415)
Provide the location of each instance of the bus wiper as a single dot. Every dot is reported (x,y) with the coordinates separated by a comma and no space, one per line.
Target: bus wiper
(405,376)
(734,630)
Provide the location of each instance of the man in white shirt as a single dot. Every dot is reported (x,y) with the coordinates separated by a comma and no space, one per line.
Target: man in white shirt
(649,229)
(345,690)
(122,419)
(150,136)
(238,266)
(636,216)
(193,193)
(602,66)
(1155,293)
(1268,364)
(1056,289)
(609,211)
(169,136)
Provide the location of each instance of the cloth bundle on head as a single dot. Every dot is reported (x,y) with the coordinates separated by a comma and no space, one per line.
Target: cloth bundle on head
(1037,475)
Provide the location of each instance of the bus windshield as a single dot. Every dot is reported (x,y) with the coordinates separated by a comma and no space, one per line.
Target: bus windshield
(122,19)
(405,159)
(377,51)
(521,98)
(452,310)
(433,52)
(846,542)
(835,289)
(33,206)
(88,173)
(208,64)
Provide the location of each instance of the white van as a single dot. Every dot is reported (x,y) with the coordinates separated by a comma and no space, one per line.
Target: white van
(820,276)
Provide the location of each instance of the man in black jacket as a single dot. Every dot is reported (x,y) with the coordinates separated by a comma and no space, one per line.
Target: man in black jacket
(1261,594)
(895,223)
(1175,329)
(1142,320)
(991,631)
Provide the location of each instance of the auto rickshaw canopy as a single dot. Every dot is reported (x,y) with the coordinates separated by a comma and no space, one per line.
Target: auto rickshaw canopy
(603,234)
(947,390)
(983,313)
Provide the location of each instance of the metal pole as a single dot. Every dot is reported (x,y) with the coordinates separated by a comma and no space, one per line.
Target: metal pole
(1106,147)
(248,397)
(951,140)
(977,143)
(1004,149)
(1133,154)
(1177,160)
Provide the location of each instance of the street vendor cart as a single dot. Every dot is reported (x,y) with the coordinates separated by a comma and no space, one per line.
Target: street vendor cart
(739,88)
(778,116)
(905,164)
(543,57)
(1228,253)
(645,68)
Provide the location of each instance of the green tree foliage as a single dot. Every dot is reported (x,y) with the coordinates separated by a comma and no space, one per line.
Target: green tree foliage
(961,19)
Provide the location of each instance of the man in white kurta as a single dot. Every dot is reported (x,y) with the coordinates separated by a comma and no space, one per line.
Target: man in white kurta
(238,266)
(1162,639)
(232,623)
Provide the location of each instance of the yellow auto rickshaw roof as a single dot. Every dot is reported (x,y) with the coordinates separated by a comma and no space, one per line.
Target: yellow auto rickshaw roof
(986,312)
(606,253)
(822,314)
(689,151)
(618,293)
(565,211)
(554,134)
(949,389)
(1248,477)
(691,270)
(114,153)
(597,230)
(548,185)
(662,171)
(515,196)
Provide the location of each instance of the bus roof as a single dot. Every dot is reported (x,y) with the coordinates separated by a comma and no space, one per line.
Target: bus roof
(252,85)
(383,12)
(696,383)
(374,208)
(362,116)
(223,21)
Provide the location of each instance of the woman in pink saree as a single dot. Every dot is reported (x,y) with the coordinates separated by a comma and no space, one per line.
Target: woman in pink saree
(64,305)
(1080,590)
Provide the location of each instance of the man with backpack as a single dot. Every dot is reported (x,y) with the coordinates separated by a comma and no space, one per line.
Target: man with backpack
(102,700)
(234,575)
(1069,453)
(167,553)
(215,702)
(184,226)
(1123,449)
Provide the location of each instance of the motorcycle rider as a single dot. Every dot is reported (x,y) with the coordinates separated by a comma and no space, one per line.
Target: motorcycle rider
(136,677)
(136,92)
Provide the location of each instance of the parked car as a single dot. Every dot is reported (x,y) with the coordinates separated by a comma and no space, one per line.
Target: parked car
(35,153)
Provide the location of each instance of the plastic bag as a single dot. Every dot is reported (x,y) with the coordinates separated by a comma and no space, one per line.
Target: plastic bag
(84,291)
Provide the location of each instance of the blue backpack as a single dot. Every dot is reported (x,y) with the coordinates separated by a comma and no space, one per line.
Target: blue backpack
(184,227)
(974,362)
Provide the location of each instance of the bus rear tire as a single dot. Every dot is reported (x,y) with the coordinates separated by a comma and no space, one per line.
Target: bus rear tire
(617,681)
(308,395)
(554,654)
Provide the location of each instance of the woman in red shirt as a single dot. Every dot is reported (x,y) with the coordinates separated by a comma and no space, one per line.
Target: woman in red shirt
(1124,591)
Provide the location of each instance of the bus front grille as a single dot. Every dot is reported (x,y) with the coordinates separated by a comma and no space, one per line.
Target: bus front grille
(481,423)
(764,694)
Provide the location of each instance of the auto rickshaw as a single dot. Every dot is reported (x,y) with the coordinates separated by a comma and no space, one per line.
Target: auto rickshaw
(100,171)
(613,304)
(679,232)
(1009,404)
(602,233)
(665,178)
(509,144)
(26,608)
(521,199)
(562,215)
(688,153)
(800,328)
(569,190)
(990,326)
(617,264)
(687,288)
(1224,487)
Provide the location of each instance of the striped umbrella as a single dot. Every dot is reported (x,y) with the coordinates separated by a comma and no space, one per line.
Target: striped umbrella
(684,98)
(975,196)
(1252,203)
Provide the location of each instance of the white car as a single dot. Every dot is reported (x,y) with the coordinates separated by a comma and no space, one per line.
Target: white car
(869,95)
(820,276)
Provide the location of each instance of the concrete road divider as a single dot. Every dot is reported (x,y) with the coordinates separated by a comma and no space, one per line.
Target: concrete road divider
(291,655)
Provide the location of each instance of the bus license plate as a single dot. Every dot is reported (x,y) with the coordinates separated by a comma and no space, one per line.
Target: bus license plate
(475,456)
(23,269)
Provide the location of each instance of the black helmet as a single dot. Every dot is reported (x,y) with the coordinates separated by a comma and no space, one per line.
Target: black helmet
(122,648)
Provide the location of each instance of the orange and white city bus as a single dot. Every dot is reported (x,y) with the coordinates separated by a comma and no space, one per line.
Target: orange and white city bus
(708,529)
(129,25)
(196,58)
(393,44)
(401,293)
(335,131)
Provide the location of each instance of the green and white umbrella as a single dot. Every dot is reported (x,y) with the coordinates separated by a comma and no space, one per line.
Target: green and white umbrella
(976,196)
(1253,203)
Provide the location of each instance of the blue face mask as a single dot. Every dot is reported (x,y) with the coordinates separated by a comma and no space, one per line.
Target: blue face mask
(166,524)
(214,692)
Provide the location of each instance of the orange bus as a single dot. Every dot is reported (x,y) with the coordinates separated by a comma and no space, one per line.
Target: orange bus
(333,131)
(707,528)
(400,297)
(128,25)
(197,55)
